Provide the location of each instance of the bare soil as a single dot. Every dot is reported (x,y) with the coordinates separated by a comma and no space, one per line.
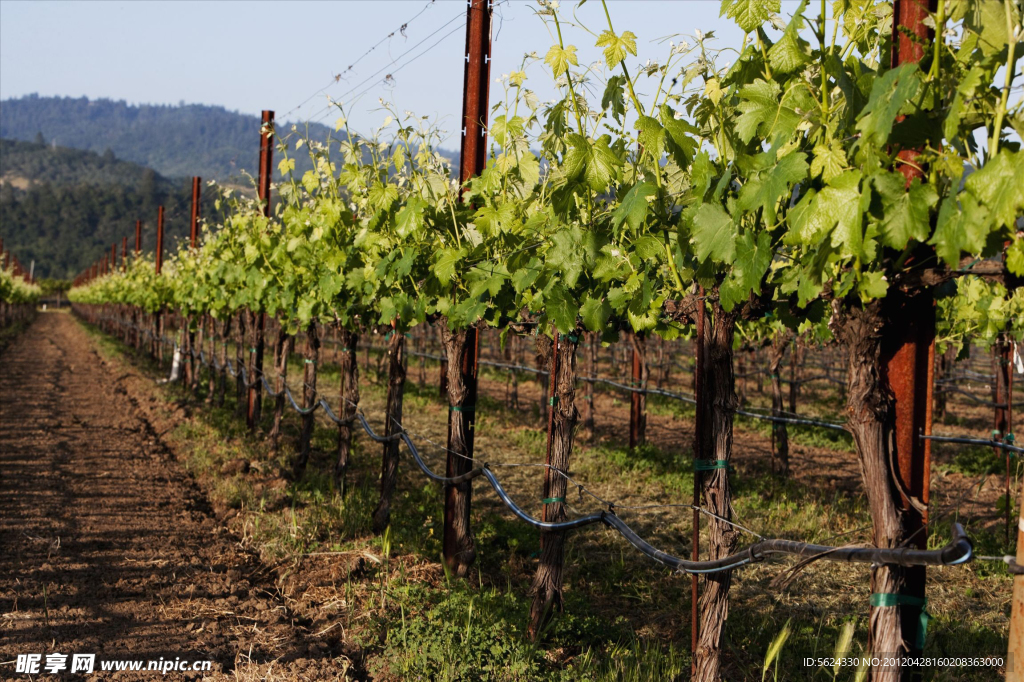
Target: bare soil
(108,547)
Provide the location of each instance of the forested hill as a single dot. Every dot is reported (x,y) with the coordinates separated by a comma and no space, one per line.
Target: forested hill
(64,208)
(25,164)
(175,141)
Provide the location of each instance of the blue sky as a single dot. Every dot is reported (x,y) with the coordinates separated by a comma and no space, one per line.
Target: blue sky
(210,52)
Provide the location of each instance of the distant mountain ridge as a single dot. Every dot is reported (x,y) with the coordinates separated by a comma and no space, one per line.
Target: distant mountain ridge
(175,141)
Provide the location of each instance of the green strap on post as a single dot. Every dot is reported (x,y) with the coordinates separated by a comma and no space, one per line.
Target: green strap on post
(553,400)
(552,500)
(710,465)
(459,408)
(886,599)
(308,361)
(252,350)
(571,337)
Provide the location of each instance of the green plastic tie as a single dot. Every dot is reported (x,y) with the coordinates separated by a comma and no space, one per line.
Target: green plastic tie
(345,350)
(252,350)
(886,599)
(308,361)
(710,465)
(1009,439)
(459,408)
(553,400)
(571,337)
(552,500)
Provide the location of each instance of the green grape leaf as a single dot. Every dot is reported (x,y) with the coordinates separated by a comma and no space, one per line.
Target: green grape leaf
(765,190)
(614,99)
(447,263)
(999,186)
(748,14)
(616,47)
(787,55)
(649,248)
(680,140)
(633,208)
(987,20)
(714,234)
(593,163)
(905,211)
(764,114)
(651,135)
(561,308)
(888,95)
(595,313)
(872,285)
(559,59)
(410,218)
(829,161)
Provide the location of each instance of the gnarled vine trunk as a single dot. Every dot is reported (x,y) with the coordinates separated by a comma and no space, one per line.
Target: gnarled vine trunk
(282,349)
(542,357)
(638,399)
(547,584)
(871,420)
(719,407)
(780,434)
(393,416)
(257,321)
(241,394)
(587,411)
(349,394)
(310,360)
(222,381)
(460,347)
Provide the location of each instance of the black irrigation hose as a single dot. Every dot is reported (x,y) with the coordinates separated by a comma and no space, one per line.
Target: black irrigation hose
(959,550)
(985,403)
(974,441)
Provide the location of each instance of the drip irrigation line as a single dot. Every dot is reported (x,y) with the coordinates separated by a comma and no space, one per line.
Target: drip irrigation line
(959,550)
(974,398)
(964,440)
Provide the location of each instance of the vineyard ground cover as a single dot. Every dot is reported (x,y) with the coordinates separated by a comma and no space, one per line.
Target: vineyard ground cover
(614,595)
(12,331)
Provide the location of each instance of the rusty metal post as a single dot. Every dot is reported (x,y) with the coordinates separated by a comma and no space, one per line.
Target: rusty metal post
(113,257)
(194,231)
(252,416)
(157,346)
(473,160)
(124,254)
(908,353)
(636,408)
(138,236)
(698,454)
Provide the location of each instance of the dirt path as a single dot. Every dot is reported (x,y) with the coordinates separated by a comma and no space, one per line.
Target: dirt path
(106,545)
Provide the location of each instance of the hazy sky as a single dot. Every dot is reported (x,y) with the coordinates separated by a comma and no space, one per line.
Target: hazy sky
(249,56)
